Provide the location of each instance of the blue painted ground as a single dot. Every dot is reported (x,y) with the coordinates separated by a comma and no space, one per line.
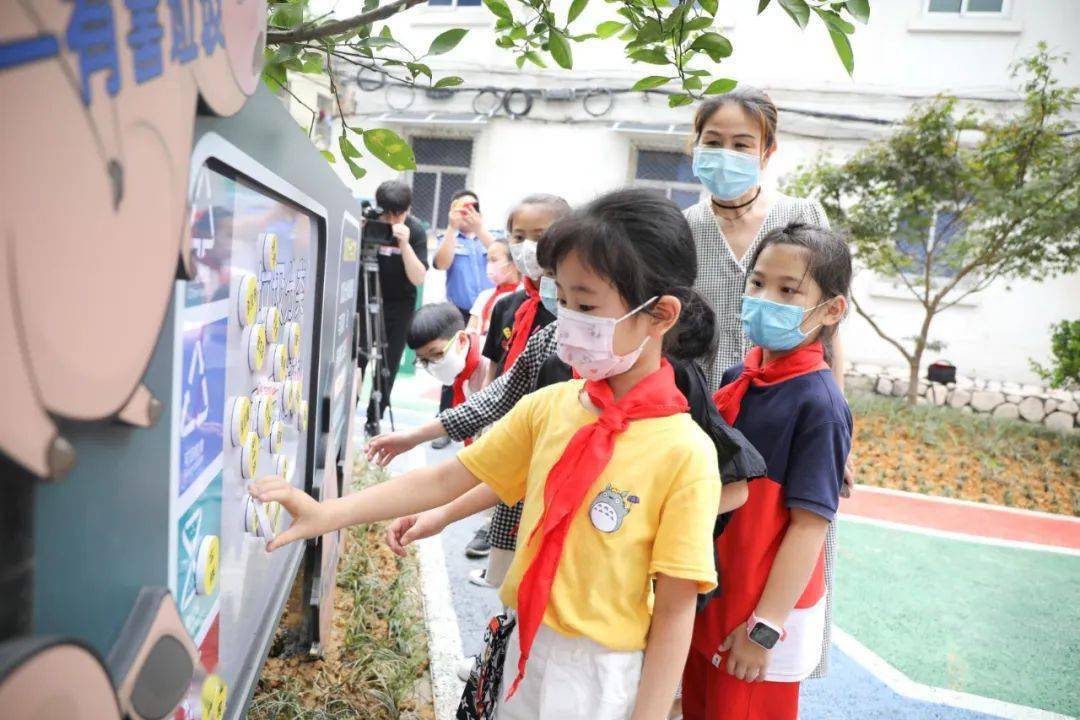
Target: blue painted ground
(849,693)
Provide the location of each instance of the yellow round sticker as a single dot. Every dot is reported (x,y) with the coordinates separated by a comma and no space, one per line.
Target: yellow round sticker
(277,436)
(273,511)
(249,457)
(294,340)
(213,698)
(257,347)
(248,301)
(282,464)
(270,248)
(266,415)
(206,567)
(281,363)
(273,323)
(240,419)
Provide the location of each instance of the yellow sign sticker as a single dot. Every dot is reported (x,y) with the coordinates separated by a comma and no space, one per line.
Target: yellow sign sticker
(240,420)
(249,458)
(281,363)
(248,301)
(294,340)
(273,511)
(272,319)
(277,436)
(257,347)
(350,251)
(266,416)
(207,565)
(270,250)
(213,698)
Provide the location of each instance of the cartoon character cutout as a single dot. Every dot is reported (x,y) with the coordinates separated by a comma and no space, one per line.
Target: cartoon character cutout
(610,507)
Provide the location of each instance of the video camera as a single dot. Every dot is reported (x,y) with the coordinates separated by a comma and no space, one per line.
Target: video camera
(375,232)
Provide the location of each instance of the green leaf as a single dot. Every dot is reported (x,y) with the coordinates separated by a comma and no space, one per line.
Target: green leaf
(329,156)
(357,171)
(721,86)
(520,61)
(715,44)
(651,82)
(449,81)
(679,99)
(834,21)
(692,83)
(374,41)
(698,23)
(287,16)
(275,76)
(762,4)
(798,10)
(518,33)
(843,49)
(416,68)
(390,148)
(348,150)
(447,41)
(535,58)
(859,9)
(650,31)
(709,6)
(499,8)
(654,56)
(628,35)
(559,47)
(386,33)
(576,8)
(314,63)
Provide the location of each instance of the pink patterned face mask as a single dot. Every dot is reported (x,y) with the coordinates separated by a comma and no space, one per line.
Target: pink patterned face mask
(587,343)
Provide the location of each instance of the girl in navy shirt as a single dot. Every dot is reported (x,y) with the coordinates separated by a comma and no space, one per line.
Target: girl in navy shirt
(754,644)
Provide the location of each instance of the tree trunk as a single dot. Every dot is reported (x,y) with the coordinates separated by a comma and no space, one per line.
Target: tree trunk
(913,377)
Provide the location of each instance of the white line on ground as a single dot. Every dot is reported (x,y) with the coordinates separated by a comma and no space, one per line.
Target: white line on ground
(901,684)
(964,537)
(966,503)
(444,637)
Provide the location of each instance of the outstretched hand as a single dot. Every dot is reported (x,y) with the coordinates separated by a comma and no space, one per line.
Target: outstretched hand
(381,449)
(309,516)
(404,531)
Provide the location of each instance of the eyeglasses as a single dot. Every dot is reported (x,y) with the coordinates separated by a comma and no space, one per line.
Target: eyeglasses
(424,362)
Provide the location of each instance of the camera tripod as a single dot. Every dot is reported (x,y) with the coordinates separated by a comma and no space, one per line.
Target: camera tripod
(373,350)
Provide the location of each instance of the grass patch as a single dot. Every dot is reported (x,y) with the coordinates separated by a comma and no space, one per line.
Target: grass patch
(943,451)
(375,666)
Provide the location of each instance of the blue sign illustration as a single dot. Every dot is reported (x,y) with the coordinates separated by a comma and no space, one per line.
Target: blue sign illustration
(202,399)
(202,520)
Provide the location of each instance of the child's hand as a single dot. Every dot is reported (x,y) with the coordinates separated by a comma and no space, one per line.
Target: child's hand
(746,660)
(309,515)
(407,530)
(384,448)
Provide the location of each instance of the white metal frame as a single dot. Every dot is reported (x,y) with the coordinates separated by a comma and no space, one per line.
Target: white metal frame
(965,13)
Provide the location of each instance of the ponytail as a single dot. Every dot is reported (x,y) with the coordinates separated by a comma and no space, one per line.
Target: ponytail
(694,335)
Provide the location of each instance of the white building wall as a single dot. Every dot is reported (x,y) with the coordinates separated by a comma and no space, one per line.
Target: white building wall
(902,56)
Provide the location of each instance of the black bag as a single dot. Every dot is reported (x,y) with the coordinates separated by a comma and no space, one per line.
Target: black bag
(481,694)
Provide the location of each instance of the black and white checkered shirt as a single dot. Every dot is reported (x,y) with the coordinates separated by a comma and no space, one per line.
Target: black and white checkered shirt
(722,279)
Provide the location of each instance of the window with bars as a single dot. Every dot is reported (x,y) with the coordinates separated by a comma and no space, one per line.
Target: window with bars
(980,8)
(442,166)
(934,238)
(671,173)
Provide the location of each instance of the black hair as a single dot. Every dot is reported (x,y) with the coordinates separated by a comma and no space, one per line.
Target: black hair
(640,242)
(466,193)
(556,205)
(752,100)
(394,197)
(434,322)
(828,262)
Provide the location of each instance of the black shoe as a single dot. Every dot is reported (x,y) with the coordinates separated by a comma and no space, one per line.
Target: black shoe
(440,443)
(479,547)
(371,430)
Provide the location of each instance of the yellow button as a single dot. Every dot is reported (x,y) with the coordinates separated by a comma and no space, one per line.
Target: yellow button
(256,346)
(249,457)
(247,306)
(277,436)
(213,698)
(239,419)
(281,362)
(273,511)
(271,318)
(282,466)
(293,339)
(265,409)
(269,250)
(206,566)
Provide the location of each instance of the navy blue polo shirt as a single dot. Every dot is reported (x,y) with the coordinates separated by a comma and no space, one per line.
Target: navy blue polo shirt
(802,427)
(467,274)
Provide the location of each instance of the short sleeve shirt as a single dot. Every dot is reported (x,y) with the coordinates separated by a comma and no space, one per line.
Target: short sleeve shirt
(722,278)
(395,284)
(502,326)
(650,511)
(467,274)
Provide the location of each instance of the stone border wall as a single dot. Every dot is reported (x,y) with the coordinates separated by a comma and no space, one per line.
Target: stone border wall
(1056,409)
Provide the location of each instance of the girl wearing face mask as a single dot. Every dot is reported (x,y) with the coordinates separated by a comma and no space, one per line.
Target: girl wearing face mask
(621,487)
(763,635)
(446,350)
(504,274)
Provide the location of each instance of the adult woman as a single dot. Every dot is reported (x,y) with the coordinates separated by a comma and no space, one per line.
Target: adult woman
(734,138)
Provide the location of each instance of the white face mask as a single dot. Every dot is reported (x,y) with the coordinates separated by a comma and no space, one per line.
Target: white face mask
(524,256)
(451,365)
(587,343)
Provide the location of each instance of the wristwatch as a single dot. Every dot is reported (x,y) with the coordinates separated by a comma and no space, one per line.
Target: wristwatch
(764,633)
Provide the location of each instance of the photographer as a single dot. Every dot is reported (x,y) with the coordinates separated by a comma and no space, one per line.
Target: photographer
(402,267)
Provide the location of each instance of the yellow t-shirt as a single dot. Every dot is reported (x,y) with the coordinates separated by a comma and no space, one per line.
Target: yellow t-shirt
(651,511)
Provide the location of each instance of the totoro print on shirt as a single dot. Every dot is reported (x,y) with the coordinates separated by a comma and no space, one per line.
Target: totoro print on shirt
(610,507)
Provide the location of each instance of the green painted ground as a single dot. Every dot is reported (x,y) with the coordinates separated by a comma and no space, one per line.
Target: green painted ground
(993,621)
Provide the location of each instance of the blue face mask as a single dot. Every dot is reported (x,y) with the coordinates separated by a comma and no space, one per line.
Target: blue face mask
(773,325)
(725,173)
(549,296)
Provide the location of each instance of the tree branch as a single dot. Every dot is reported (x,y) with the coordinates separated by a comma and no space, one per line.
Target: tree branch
(881,333)
(310,31)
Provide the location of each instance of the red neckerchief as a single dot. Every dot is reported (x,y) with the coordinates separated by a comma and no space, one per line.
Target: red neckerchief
(523,323)
(805,360)
(500,290)
(472,361)
(582,462)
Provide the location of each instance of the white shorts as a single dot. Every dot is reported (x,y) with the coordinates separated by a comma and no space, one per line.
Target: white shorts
(499,561)
(569,679)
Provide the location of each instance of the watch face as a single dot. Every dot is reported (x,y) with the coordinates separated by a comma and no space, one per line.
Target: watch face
(764,636)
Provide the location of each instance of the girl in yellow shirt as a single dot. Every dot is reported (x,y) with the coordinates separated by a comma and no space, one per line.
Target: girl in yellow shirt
(621,487)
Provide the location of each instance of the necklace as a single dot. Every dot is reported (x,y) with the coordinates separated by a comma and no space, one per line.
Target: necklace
(748,205)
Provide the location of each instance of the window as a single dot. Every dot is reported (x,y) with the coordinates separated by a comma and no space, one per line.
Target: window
(669,172)
(454,3)
(442,166)
(940,234)
(966,7)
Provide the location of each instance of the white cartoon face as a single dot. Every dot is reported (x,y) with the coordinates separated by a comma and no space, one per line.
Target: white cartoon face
(609,508)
